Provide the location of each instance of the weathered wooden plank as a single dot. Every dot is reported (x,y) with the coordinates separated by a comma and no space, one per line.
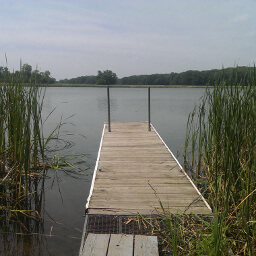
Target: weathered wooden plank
(136,143)
(171,173)
(142,177)
(149,211)
(132,145)
(127,190)
(131,204)
(155,149)
(131,134)
(134,153)
(140,173)
(145,246)
(184,190)
(145,195)
(96,245)
(118,181)
(124,162)
(129,144)
(150,206)
(141,150)
(119,158)
(120,245)
(167,166)
(149,203)
(149,200)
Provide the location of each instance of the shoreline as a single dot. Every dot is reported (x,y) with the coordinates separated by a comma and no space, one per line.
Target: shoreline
(126,86)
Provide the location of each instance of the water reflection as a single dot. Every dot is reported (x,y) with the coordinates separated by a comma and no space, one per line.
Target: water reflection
(102,104)
(22,232)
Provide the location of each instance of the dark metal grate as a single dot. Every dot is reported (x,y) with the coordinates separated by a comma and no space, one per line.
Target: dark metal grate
(119,224)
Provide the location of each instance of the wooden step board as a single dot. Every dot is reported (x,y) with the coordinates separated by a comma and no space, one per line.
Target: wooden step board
(120,245)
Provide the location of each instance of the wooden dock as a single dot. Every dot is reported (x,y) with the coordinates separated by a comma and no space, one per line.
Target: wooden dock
(135,170)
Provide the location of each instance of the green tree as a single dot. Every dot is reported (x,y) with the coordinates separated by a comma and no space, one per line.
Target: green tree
(35,75)
(4,72)
(26,71)
(106,77)
(45,78)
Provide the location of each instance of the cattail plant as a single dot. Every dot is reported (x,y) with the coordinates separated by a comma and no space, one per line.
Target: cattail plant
(21,146)
(220,149)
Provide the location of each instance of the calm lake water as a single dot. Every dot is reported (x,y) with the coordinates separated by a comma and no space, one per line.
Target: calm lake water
(65,195)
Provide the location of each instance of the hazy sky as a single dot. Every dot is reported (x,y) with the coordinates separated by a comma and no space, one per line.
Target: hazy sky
(74,38)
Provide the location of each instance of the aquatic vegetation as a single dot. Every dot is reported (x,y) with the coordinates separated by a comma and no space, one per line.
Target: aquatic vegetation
(21,142)
(25,154)
(220,150)
(27,160)
(220,155)
(22,163)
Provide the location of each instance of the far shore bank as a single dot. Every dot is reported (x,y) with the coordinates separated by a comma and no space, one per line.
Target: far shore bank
(125,86)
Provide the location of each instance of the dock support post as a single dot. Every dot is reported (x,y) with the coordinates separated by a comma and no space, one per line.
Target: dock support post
(149,122)
(109,129)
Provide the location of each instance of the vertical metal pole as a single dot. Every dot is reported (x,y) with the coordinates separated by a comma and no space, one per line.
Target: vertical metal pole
(149,122)
(109,129)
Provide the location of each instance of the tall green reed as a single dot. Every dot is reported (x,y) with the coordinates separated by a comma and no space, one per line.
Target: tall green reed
(25,155)
(220,148)
(21,145)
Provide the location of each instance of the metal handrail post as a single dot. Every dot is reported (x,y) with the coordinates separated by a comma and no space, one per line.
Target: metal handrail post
(109,129)
(149,122)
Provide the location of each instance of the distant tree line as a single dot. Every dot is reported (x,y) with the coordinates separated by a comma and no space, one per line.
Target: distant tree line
(80,80)
(190,77)
(106,77)
(26,74)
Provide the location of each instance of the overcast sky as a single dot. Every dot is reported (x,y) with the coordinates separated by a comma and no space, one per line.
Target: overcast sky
(72,38)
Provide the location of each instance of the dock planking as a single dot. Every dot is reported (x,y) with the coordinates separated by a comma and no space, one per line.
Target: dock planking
(120,245)
(135,170)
